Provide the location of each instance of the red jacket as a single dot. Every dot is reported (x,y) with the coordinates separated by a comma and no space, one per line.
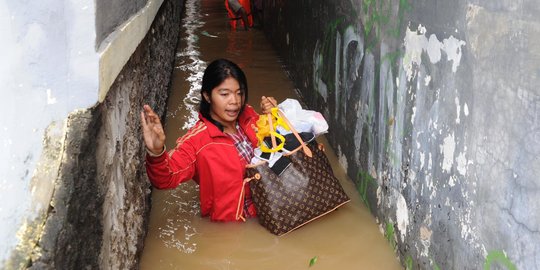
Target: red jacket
(208,156)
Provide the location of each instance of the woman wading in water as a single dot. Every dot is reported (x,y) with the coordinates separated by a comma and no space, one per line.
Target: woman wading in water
(216,149)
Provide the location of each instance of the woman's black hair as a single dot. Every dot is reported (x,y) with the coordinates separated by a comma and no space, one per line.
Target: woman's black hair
(217,72)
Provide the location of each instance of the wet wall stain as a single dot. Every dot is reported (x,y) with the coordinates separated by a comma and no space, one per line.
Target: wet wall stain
(440,104)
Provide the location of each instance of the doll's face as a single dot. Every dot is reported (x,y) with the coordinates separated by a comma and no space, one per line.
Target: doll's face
(226,102)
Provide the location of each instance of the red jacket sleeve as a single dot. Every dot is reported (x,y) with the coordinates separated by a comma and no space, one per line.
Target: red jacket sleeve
(170,169)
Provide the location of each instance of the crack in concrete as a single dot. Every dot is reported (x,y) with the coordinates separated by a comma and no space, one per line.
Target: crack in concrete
(525,226)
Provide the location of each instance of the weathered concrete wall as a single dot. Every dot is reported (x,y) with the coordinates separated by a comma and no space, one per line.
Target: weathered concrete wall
(111,14)
(442,107)
(106,192)
(49,68)
(97,216)
(144,80)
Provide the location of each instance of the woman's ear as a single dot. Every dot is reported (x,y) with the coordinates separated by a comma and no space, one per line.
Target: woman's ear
(206,97)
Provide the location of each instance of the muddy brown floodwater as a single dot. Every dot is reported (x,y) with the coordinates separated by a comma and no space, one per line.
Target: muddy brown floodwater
(179,238)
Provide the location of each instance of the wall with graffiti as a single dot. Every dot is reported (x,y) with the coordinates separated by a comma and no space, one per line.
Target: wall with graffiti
(441,104)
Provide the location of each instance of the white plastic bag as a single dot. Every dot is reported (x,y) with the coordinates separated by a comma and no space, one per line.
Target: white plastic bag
(303,120)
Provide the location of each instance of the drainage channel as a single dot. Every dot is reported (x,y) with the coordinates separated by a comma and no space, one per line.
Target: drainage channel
(179,238)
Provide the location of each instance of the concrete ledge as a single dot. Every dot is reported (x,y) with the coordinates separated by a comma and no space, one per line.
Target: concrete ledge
(118,47)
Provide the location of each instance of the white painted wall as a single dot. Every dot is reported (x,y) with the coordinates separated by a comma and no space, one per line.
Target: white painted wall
(49,67)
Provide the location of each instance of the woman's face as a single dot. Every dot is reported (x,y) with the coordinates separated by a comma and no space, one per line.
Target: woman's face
(226,101)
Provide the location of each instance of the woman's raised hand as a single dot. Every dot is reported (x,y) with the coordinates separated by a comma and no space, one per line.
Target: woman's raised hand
(267,103)
(153,134)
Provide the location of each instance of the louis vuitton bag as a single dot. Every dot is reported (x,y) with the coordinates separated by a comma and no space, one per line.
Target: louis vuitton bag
(302,189)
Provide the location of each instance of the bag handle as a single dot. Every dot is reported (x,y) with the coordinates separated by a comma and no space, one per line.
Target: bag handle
(306,149)
(239,207)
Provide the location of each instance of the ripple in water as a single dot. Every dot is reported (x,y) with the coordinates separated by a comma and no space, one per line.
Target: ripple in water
(189,61)
(180,206)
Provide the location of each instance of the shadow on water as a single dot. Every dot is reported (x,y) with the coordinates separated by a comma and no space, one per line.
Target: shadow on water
(178,238)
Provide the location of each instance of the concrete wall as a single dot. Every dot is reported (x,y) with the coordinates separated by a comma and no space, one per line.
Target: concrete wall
(49,68)
(111,14)
(442,105)
(74,194)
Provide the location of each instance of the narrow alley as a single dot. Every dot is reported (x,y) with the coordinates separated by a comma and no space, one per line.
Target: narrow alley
(433,110)
(178,238)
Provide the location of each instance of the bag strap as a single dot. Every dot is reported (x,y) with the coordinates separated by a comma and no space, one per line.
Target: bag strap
(240,206)
(306,149)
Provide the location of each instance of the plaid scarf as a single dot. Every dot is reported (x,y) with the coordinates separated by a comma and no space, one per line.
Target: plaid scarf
(242,144)
(245,151)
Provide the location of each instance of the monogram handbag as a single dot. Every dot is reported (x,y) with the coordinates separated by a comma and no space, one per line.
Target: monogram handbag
(302,189)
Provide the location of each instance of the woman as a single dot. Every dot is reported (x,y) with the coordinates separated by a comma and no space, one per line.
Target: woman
(216,149)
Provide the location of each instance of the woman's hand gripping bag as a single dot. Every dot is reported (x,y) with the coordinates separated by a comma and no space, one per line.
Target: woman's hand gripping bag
(295,187)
